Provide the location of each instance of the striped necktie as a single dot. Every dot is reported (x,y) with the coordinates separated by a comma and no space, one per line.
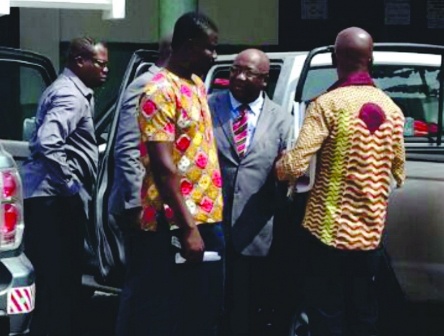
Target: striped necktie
(240,130)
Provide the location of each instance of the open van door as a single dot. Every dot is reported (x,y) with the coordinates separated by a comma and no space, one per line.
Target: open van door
(24,77)
(106,240)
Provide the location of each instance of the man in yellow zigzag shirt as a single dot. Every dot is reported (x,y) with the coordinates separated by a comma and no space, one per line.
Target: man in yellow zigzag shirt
(356,130)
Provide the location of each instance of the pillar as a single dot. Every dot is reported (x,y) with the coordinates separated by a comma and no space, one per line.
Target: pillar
(170,11)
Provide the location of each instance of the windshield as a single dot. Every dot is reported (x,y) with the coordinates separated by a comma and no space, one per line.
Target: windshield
(415,89)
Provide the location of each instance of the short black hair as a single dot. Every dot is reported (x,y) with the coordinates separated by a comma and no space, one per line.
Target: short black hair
(82,46)
(191,25)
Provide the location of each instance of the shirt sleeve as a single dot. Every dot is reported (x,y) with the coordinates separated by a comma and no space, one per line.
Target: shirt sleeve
(398,164)
(63,113)
(314,130)
(157,111)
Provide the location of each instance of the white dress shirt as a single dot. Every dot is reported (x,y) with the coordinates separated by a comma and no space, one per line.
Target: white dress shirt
(254,110)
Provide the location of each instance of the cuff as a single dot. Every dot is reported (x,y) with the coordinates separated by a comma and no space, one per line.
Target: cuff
(73,187)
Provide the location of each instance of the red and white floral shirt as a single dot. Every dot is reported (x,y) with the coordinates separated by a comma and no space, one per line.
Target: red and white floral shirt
(174,109)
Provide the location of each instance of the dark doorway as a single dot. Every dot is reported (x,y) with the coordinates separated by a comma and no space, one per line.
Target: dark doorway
(10,29)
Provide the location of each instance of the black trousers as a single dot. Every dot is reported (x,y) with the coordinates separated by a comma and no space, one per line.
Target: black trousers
(249,295)
(340,290)
(53,241)
(288,254)
(161,298)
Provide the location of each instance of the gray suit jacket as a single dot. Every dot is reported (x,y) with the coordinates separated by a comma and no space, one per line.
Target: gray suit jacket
(249,187)
(128,170)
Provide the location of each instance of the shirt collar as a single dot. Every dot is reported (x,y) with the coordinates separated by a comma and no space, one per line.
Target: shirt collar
(358,78)
(255,106)
(86,91)
(154,69)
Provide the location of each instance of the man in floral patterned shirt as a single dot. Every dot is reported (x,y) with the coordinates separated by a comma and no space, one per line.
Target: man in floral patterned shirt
(181,198)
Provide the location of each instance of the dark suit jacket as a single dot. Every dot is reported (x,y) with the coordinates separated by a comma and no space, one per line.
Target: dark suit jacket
(128,170)
(249,186)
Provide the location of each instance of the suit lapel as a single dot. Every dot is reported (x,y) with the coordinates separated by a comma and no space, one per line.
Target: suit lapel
(223,115)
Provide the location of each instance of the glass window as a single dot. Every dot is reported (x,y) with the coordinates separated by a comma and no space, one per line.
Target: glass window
(416,91)
(20,89)
(221,74)
(318,81)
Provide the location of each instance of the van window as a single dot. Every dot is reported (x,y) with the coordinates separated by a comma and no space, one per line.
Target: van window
(21,86)
(221,74)
(318,81)
(415,89)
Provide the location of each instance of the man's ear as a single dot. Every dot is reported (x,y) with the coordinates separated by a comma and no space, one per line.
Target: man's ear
(186,48)
(80,61)
(265,81)
(190,44)
(333,59)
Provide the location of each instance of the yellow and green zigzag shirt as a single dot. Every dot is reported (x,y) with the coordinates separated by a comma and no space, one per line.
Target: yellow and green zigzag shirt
(356,130)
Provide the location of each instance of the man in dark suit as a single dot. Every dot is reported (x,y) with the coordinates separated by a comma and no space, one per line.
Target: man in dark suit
(250,131)
(124,203)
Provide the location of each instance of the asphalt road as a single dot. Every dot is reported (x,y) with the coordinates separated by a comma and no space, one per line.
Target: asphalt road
(425,319)
(420,319)
(100,314)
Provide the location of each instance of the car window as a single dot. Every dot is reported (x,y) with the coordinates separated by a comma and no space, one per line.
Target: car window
(318,81)
(21,86)
(104,121)
(415,89)
(221,74)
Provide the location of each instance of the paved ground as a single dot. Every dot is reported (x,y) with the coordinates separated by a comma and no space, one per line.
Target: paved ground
(100,314)
(421,319)
(425,319)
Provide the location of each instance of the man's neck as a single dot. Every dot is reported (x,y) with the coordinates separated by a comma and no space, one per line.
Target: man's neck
(343,74)
(179,68)
(161,63)
(248,100)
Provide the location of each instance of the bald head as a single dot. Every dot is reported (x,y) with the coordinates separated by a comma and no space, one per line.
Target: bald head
(249,75)
(256,58)
(353,50)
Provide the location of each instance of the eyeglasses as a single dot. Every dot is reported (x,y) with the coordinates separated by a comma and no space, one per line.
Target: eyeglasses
(235,70)
(100,63)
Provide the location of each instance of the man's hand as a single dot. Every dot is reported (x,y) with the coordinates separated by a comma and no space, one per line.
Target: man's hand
(278,164)
(280,155)
(193,246)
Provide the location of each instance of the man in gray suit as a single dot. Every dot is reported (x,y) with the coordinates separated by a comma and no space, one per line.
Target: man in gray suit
(250,131)
(124,202)
(124,199)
